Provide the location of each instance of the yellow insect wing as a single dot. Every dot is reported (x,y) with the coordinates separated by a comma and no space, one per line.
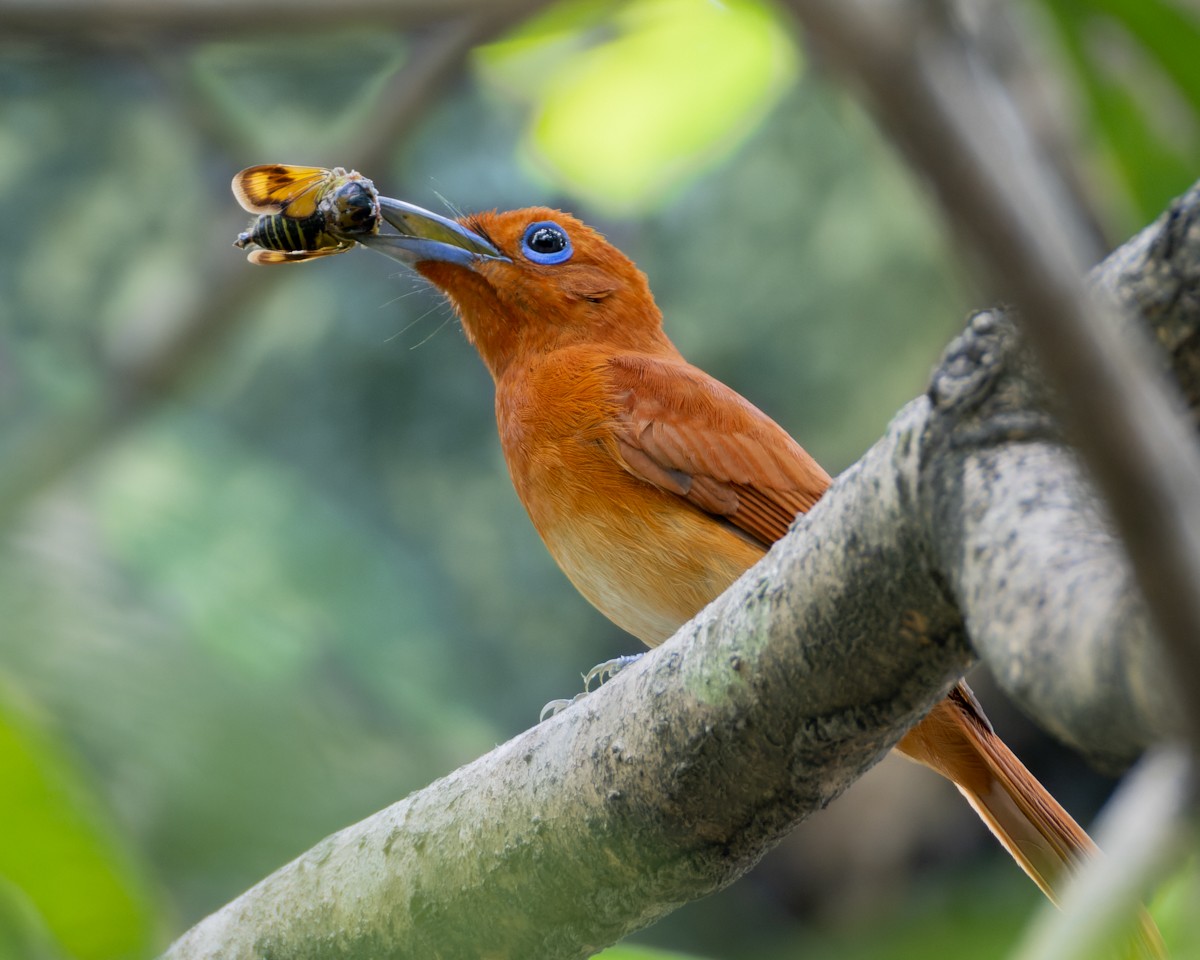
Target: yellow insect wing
(269,257)
(280,188)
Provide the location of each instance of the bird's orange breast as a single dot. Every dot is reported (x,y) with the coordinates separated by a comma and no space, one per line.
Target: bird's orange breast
(645,558)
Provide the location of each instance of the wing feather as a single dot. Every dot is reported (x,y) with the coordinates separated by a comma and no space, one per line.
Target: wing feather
(687,433)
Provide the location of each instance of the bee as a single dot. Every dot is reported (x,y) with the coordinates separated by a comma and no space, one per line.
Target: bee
(304,212)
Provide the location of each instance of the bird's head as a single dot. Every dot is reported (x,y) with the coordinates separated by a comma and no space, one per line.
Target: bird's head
(524,282)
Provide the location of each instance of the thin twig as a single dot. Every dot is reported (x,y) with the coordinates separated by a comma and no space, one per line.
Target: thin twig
(437,61)
(116,21)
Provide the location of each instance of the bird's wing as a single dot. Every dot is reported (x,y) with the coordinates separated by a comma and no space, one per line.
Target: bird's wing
(685,432)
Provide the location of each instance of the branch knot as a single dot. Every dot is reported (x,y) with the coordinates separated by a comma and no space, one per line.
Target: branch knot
(971,364)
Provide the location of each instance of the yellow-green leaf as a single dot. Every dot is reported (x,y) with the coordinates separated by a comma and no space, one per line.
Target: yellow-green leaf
(626,110)
(63,875)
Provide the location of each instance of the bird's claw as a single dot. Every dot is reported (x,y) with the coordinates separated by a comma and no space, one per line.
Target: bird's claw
(555,707)
(608,669)
(598,674)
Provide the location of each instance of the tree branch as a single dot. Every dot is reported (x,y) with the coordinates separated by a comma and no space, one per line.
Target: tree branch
(941,109)
(1086,671)
(664,785)
(1008,507)
(674,778)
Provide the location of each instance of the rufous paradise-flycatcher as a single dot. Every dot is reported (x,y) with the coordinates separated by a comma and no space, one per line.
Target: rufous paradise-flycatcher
(655,486)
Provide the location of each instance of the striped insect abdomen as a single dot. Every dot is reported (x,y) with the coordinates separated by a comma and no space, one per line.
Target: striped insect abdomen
(277,231)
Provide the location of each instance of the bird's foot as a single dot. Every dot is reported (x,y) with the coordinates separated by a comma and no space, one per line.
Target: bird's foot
(608,669)
(555,707)
(598,674)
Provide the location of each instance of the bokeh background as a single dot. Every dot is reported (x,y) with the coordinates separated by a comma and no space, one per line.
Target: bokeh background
(262,571)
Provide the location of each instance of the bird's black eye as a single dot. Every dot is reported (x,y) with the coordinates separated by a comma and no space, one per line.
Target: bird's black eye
(546,242)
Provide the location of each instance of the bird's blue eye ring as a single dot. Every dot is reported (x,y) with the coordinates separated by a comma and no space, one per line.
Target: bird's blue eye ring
(546,242)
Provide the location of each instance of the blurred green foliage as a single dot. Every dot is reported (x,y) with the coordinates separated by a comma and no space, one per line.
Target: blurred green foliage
(66,887)
(693,80)
(298,585)
(1174,909)
(1136,65)
(641,953)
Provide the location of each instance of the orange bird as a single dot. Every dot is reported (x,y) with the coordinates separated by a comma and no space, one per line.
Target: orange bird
(655,486)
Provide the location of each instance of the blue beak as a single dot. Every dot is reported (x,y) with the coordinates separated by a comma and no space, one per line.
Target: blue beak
(411,235)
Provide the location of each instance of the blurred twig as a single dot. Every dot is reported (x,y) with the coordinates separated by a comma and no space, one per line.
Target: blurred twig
(410,92)
(1002,34)
(940,108)
(1144,830)
(53,448)
(195,104)
(191,20)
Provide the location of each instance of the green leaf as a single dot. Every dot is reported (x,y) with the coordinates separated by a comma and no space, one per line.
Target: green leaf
(627,111)
(23,933)
(66,883)
(1135,61)
(1170,35)
(632,952)
(1174,909)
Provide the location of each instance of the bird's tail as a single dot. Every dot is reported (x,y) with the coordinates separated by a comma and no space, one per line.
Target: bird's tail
(957,741)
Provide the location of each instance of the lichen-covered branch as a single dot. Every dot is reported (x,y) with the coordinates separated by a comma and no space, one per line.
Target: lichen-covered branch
(1043,584)
(664,785)
(1046,589)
